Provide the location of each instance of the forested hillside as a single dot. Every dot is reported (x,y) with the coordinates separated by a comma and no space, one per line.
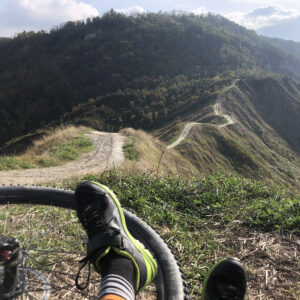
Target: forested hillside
(287,45)
(116,71)
(262,142)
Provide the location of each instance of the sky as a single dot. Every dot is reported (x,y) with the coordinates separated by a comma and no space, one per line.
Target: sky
(280,18)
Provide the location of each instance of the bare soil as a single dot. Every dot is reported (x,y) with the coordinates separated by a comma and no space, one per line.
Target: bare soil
(189,126)
(216,108)
(107,154)
(183,134)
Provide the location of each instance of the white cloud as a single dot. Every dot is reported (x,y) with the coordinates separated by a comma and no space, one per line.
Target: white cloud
(133,10)
(266,2)
(262,2)
(200,11)
(19,15)
(265,16)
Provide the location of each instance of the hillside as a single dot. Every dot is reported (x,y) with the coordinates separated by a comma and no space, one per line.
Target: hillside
(287,45)
(158,72)
(116,71)
(263,139)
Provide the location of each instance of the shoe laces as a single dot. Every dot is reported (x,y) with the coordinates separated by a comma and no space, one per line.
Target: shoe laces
(92,221)
(93,225)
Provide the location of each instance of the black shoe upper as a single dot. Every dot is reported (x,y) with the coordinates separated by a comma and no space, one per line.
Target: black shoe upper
(227,281)
(100,217)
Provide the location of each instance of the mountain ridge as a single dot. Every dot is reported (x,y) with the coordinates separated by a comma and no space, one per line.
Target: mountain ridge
(263,141)
(153,72)
(53,73)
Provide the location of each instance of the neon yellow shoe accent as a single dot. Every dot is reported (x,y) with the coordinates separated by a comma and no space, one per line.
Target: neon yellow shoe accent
(96,264)
(150,262)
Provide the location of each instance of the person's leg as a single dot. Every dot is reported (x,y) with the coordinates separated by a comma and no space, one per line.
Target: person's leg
(226,280)
(123,262)
(117,274)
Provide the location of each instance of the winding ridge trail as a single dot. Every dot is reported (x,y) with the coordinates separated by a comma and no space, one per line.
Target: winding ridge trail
(216,108)
(107,153)
(227,117)
(183,134)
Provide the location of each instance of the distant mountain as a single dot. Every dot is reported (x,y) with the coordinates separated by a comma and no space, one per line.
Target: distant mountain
(271,21)
(138,71)
(153,72)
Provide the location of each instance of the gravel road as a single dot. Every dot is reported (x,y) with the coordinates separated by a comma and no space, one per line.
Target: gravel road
(107,153)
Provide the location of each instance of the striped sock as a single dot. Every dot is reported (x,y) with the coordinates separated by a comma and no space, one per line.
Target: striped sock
(113,284)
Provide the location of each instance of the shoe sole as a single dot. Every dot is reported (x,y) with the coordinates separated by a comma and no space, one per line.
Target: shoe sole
(151,264)
(213,268)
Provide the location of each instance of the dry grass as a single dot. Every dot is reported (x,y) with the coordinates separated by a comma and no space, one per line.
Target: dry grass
(61,134)
(54,243)
(271,261)
(200,237)
(155,158)
(58,146)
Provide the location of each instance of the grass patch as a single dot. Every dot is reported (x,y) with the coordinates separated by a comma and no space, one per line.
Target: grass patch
(204,219)
(217,197)
(71,149)
(58,147)
(130,151)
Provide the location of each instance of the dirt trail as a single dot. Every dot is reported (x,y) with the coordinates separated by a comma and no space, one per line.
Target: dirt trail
(183,134)
(107,154)
(216,108)
(227,117)
(220,99)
